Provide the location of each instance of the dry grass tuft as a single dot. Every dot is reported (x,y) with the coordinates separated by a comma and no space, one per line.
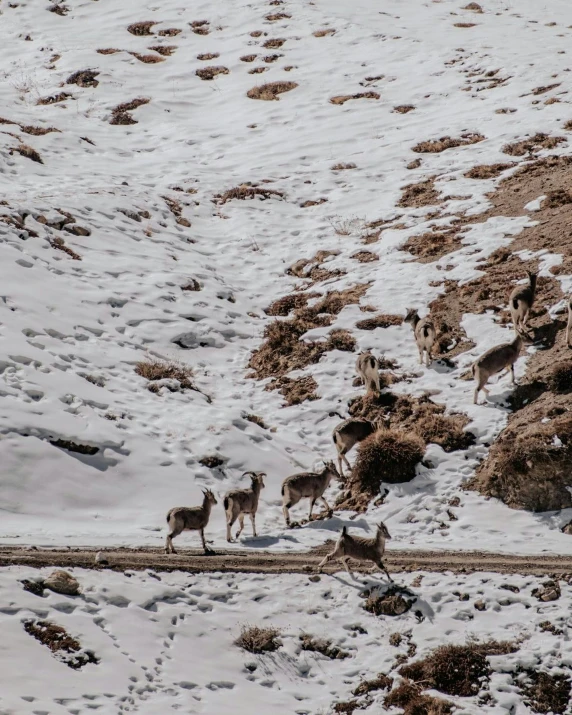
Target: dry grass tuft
(457,669)
(464,24)
(270,91)
(403,108)
(147,59)
(410,698)
(246,191)
(365,256)
(380,682)
(436,146)
(211,461)
(108,51)
(533,144)
(277,16)
(557,198)
(141,28)
(546,693)
(560,378)
(58,640)
(432,245)
(379,321)
(343,167)
(395,601)
(324,33)
(83,78)
(285,305)
(170,32)
(273,43)
(343,98)
(487,171)
(248,58)
(295,391)
(258,640)
(208,56)
(544,88)
(418,195)
(257,70)
(55,98)
(474,6)
(59,9)
(200,27)
(319,645)
(271,58)
(37,131)
(28,152)
(165,50)
(154,369)
(60,245)
(208,73)
(192,285)
(120,114)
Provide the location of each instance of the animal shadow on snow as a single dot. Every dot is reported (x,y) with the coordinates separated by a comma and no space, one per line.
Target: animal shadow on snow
(264,541)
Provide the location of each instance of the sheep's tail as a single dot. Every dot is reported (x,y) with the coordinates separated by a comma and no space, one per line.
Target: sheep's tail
(226,503)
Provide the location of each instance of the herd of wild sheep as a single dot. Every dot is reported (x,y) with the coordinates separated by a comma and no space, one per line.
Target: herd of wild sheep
(312,485)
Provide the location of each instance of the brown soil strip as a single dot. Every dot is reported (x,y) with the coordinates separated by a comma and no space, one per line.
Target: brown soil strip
(193,561)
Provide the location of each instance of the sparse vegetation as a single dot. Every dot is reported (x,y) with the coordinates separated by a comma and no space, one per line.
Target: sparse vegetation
(83,78)
(247,191)
(211,461)
(325,647)
(487,171)
(58,640)
(413,701)
(141,28)
(28,152)
(420,194)
(273,43)
(403,108)
(324,33)
(121,113)
(208,73)
(395,601)
(379,321)
(270,91)
(380,682)
(178,376)
(208,56)
(58,243)
(343,98)
(532,144)
(147,59)
(258,640)
(343,167)
(546,692)
(435,146)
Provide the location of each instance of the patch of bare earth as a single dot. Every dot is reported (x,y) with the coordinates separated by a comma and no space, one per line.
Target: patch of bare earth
(365,256)
(343,98)
(487,171)
(121,113)
(65,647)
(434,244)
(312,268)
(532,144)
(435,146)
(247,191)
(421,194)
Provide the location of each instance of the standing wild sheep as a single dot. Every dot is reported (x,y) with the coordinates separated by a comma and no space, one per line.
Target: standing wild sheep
(501,357)
(367,367)
(424,332)
(307,485)
(361,548)
(521,300)
(195,518)
(569,326)
(239,502)
(347,434)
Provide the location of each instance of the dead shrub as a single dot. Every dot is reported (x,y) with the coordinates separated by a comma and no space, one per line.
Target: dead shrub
(557,198)
(383,320)
(270,91)
(141,28)
(445,430)
(208,73)
(247,191)
(545,88)
(121,113)
(312,269)
(165,50)
(67,648)
(285,305)
(560,377)
(83,78)
(271,58)
(324,33)
(295,391)
(273,43)
(411,699)
(387,456)
(277,16)
(248,58)
(108,51)
(122,118)
(200,27)
(55,98)
(147,59)
(464,24)
(154,369)
(325,647)
(436,146)
(487,171)
(192,285)
(457,669)
(343,167)
(60,245)
(347,706)
(209,56)
(533,144)
(28,152)
(170,32)
(343,98)
(394,602)
(431,246)
(420,194)
(546,693)
(59,9)
(365,256)
(255,419)
(257,70)
(403,108)
(380,682)
(211,461)
(258,640)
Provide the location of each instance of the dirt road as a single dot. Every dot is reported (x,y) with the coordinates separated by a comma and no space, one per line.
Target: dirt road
(193,561)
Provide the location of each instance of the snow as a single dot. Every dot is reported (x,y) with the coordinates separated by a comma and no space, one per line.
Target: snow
(63,320)
(166,641)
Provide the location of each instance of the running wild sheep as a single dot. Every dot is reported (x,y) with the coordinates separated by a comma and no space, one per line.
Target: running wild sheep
(501,357)
(239,502)
(367,367)
(193,518)
(521,300)
(307,485)
(349,433)
(424,332)
(361,548)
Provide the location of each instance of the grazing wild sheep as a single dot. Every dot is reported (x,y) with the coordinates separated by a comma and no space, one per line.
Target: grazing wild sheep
(239,502)
(195,518)
(501,357)
(349,433)
(424,332)
(367,367)
(569,326)
(359,547)
(307,485)
(521,300)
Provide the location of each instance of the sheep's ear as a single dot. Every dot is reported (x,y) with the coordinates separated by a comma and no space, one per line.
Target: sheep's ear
(344,530)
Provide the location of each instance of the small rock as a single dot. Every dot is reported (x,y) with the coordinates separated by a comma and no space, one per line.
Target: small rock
(77,230)
(480,605)
(549,592)
(100,559)
(62,582)
(510,587)
(314,578)
(455,501)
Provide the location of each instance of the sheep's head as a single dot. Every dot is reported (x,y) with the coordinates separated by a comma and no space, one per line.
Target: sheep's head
(411,315)
(381,527)
(257,479)
(209,496)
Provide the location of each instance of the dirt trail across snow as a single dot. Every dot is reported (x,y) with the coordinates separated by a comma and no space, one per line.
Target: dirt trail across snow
(236,561)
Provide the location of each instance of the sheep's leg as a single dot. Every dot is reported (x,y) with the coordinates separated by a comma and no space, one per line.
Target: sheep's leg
(312,502)
(511,368)
(169,548)
(345,560)
(252,519)
(328,510)
(349,466)
(328,557)
(381,566)
(428,356)
(229,522)
(205,549)
(420,355)
(241,527)
(286,513)
(525,318)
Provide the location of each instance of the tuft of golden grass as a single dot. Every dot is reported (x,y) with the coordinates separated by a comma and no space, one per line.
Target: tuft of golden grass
(365,256)
(108,51)
(435,146)
(208,56)
(258,640)
(383,320)
(464,24)
(271,58)
(487,171)
(420,194)
(324,647)
(545,88)
(324,32)
(248,58)
(83,78)
(165,50)
(147,59)
(141,28)
(274,17)
(246,191)
(120,115)
(37,131)
(28,152)
(170,32)
(535,143)
(343,167)
(403,108)
(153,369)
(208,73)
(257,70)
(200,27)
(55,98)
(343,98)
(273,43)
(271,90)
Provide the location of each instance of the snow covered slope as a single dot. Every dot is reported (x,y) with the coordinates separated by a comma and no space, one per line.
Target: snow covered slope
(71,331)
